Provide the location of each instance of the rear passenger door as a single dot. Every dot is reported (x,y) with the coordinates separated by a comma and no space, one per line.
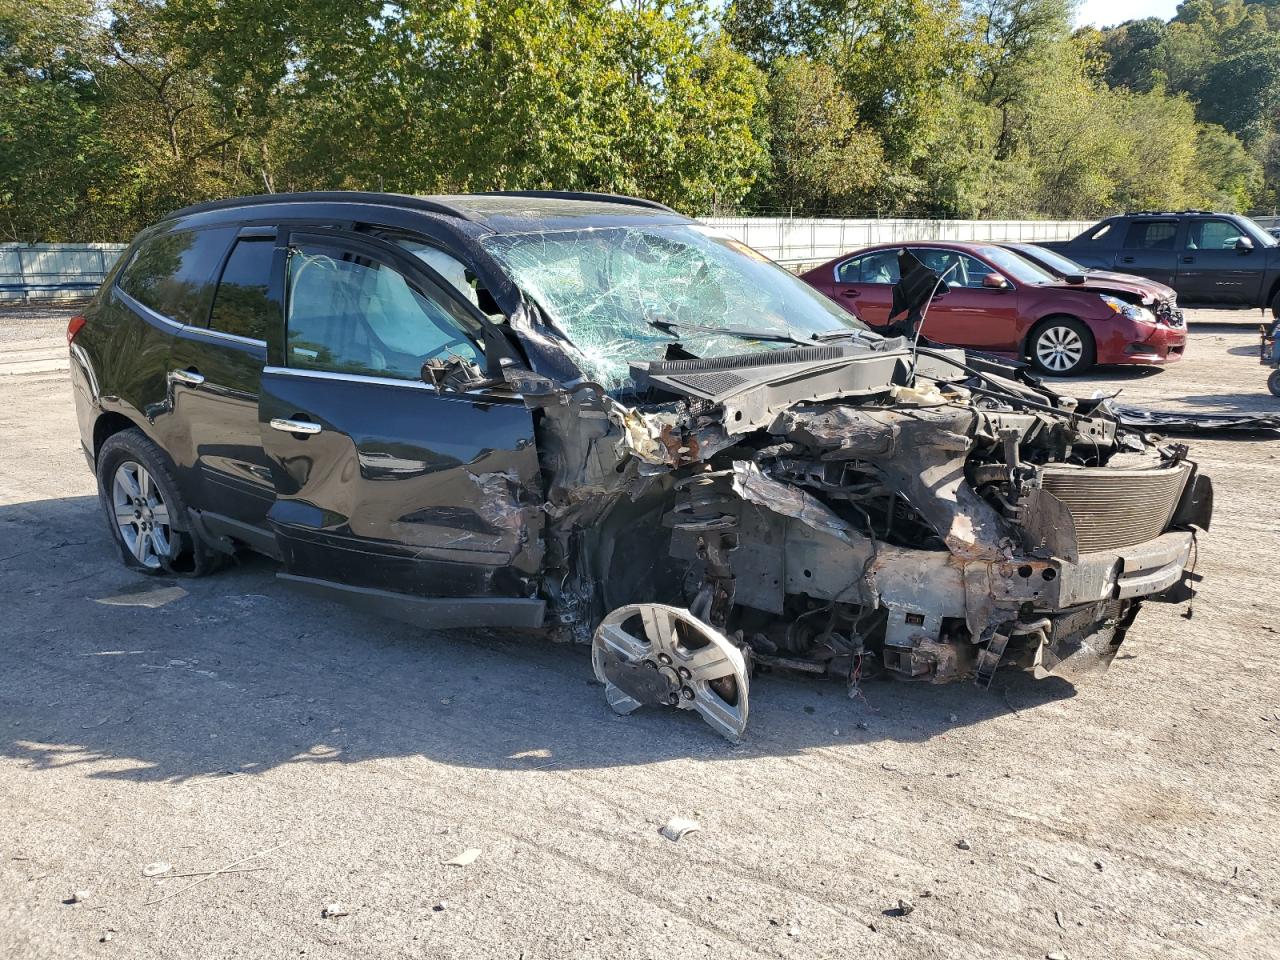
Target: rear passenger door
(864,285)
(417,502)
(1212,270)
(216,373)
(1151,249)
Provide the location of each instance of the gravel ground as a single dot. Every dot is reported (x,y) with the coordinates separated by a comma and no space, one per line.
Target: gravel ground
(342,759)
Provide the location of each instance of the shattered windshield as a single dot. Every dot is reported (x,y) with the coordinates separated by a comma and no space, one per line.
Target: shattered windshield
(622,294)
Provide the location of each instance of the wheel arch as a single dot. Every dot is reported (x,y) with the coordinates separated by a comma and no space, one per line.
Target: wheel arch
(107,425)
(1024,348)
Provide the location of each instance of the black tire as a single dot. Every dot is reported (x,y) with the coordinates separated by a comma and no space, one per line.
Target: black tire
(1275,306)
(162,548)
(1061,347)
(1273,383)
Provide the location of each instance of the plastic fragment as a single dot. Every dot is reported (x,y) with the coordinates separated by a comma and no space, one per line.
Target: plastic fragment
(676,828)
(335,910)
(155,869)
(464,859)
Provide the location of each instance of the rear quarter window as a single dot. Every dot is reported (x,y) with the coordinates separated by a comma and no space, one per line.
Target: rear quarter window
(172,272)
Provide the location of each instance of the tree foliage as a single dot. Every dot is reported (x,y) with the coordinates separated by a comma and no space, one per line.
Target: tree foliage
(114,112)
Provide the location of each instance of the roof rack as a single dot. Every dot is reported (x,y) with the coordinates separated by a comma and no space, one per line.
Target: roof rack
(578,195)
(328,196)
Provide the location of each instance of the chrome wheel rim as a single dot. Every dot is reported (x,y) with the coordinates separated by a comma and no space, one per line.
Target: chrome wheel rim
(1059,348)
(141,514)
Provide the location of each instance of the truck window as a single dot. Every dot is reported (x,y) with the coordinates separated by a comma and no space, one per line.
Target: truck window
(1152,234)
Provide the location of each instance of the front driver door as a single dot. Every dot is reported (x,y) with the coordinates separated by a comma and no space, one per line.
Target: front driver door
(1212,270)
(410,501)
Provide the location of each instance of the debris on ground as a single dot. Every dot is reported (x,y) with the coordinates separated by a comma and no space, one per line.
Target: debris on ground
(107,935)
(155,869)
(905,908)
(676,828)
(464,859)
(80,896)
(963,844)
(334,910)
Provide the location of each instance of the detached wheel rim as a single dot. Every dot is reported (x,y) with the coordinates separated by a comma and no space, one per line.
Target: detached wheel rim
(141,514)
(1059,349)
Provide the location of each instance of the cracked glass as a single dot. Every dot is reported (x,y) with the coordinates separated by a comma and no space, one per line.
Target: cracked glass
(605,289)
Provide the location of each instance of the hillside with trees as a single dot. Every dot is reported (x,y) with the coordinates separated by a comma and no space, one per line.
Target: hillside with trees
(113,112)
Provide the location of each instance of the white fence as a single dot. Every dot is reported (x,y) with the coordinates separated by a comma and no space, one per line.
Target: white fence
(54,271)
(800,241)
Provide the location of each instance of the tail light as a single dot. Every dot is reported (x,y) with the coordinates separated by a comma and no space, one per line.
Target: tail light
(74,326)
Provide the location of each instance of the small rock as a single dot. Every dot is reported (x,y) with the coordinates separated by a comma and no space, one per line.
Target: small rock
(793,932)
(443,904)
(335,910)
(107,936)
(905,908)
(1098,864)
(1055,956)
(963,844)
(677,827)
(809,710)
(155,869)
(80,896)
(925,894)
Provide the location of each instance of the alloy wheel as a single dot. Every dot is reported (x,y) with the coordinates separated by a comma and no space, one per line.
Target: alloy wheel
(1059,349)
(141,514)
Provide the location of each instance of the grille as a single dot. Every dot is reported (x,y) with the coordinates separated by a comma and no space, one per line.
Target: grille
(1117,508)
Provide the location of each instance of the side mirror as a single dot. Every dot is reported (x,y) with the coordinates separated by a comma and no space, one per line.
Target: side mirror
(993,281)
(1244,244)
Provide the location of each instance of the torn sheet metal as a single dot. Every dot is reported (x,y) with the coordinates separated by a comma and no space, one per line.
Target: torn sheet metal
(1169,421)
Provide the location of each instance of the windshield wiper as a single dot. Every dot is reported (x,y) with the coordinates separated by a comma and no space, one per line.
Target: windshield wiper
(670,327)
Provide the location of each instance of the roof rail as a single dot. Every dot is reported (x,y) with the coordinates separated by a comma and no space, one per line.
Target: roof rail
(579,195)
(1168,213)
(328,196)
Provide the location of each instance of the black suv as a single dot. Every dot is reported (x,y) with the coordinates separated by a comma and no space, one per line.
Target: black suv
(1210,259)
(594,416)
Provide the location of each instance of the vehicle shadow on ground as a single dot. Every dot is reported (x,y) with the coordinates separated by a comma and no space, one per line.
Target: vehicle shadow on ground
(169,680)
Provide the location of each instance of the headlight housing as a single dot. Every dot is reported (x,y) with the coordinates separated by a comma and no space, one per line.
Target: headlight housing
(1130,311)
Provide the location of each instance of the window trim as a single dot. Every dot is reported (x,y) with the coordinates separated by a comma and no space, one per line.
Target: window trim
(152,234)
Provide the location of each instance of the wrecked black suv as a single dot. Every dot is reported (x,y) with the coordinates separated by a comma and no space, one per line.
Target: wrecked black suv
(593,416)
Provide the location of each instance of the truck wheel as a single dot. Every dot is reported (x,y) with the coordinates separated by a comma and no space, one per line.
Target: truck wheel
(1273,383)
(1061,347)
(1275,306)
(146,513)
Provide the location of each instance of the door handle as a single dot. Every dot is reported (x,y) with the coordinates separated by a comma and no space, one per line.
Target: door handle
(849,293)
(1188,259)
(295,426)
(190,377)
(1126,259)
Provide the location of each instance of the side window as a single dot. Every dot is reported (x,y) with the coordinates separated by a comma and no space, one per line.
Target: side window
(1151,235)
(172,273)
(972,272)
(349,313)
(878,267)
(241,304)
(1212,235)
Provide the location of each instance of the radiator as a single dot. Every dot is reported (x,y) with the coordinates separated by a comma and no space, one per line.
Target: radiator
(1117,508)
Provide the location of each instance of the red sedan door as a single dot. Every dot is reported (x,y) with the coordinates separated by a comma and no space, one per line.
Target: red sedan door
(864,285)
(967,313)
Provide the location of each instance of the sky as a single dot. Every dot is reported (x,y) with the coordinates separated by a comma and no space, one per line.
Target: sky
(1107,13)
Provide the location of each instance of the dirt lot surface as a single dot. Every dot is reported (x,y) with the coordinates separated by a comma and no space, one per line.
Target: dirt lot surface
(340,759)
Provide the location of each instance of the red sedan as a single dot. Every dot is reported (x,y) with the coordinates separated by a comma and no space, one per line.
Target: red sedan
(994,300)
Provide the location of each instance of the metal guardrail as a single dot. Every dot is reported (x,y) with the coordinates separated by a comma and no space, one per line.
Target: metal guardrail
(60,271)
(54,271)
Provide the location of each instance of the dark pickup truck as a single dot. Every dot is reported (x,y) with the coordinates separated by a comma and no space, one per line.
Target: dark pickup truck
(1210,259)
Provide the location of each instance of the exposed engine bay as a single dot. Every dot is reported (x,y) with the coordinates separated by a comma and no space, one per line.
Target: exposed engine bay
(846,511)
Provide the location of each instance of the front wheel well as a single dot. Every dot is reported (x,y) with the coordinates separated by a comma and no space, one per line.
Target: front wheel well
(107,425)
